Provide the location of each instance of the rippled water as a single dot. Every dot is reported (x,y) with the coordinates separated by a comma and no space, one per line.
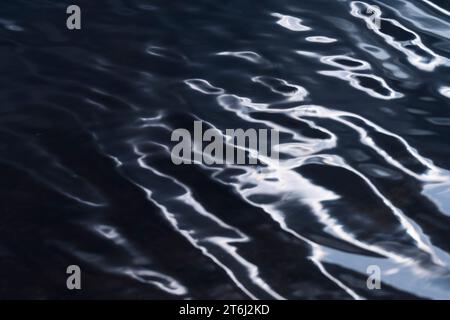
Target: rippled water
(364,122)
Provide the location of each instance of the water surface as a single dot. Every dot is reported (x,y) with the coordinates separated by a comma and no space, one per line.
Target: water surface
(364,122)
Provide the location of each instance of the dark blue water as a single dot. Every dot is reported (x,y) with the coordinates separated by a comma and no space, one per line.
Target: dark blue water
(87,179)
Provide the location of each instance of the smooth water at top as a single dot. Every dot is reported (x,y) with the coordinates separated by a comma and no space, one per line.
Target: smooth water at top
(364,121)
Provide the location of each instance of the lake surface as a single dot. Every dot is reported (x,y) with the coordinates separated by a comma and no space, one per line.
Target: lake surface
(363,180)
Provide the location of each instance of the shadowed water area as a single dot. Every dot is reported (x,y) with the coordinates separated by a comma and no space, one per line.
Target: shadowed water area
(87,179)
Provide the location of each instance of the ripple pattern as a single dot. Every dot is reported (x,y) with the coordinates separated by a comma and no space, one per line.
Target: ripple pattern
(363,178)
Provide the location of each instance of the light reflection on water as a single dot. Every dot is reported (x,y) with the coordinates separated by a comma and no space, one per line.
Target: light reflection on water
(363,116)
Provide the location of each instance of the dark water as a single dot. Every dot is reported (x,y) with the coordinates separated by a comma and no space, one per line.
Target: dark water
(87,180)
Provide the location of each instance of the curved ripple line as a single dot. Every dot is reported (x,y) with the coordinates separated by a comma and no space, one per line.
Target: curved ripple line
(203,86)
(222,242)
(246,55)
(425,63)
(280,86)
